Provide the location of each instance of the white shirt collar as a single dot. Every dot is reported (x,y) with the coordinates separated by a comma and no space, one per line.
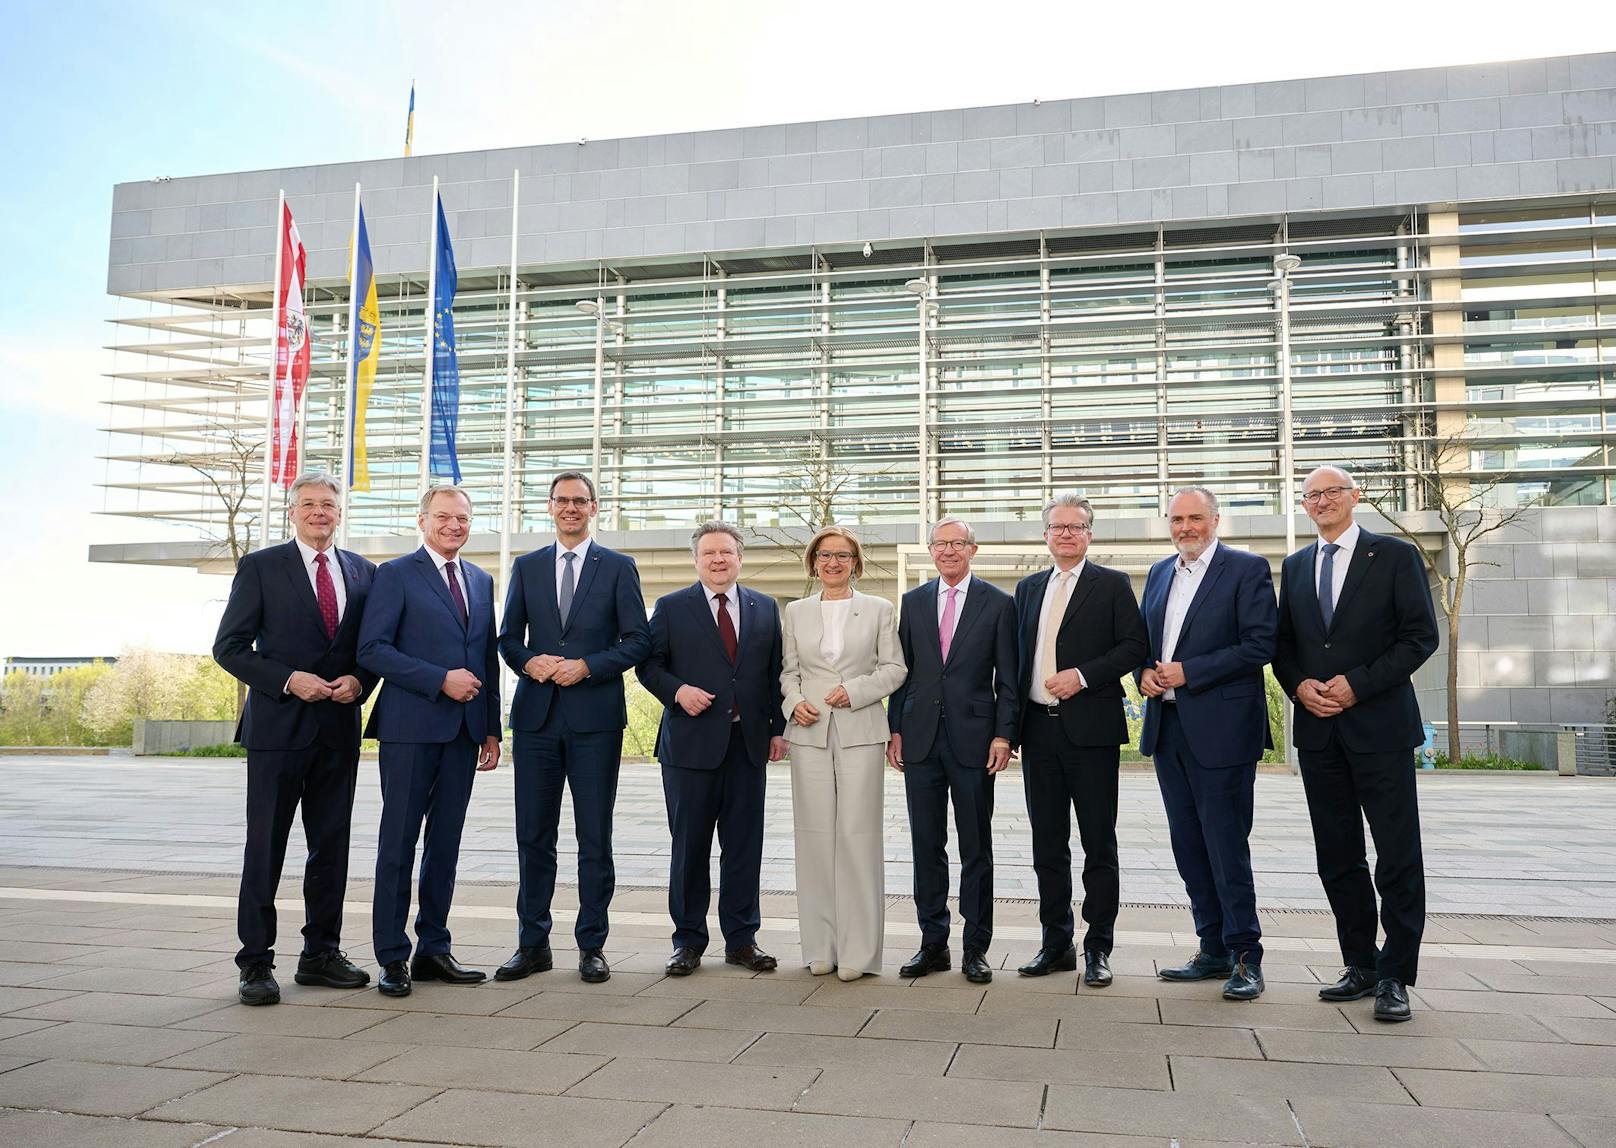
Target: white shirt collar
(1202,560)
(732,596)
(439,560)
(943,587)
(1076,571)
(580,550)
(1348,540)
(309,552)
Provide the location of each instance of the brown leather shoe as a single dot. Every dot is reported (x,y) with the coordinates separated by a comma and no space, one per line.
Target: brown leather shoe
(752,958)
(683,962)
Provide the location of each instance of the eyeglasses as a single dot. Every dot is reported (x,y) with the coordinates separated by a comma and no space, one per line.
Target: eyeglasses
(1330,492)
(957,545)
(581,502)
(1068,530)
(834,556)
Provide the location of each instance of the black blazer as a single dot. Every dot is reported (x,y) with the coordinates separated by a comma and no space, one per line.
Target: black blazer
(1101,636)
(1384,628)
(973,694)
(271,627)
(686,650)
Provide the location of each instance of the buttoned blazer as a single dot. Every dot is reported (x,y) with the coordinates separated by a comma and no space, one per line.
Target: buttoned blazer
(971,694)
(686,650)
(1382,630)
(1101,636)
(606,628)
(870,668)
(412,636)
(1226,639)
(271,627)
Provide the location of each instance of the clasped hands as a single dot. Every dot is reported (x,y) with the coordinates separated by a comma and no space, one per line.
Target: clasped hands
(555,668)
(313,688)
(1163,676)
(806,713)
(1066,684)
(1326,699)
(998,753)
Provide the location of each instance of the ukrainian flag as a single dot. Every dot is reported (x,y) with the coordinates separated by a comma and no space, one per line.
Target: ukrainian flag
(364,320)
(409,123)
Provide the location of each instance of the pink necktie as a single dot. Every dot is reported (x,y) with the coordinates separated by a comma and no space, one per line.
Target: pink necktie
(945,629)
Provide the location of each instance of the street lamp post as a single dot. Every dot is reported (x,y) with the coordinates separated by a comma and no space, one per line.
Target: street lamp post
(597,308)
(1284,264)
(921,288)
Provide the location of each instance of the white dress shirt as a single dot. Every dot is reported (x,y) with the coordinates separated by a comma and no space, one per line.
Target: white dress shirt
(1338,569)
(833,614)
(1040,695)
(332,564)
(440,562)
(580,550)
(1187,579)
(732,603)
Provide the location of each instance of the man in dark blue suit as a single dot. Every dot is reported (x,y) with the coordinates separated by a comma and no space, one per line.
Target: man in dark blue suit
(952,721)
(715,667)
(574,624)
(1355,622)
(1211,616)
(290,632)
(429,631)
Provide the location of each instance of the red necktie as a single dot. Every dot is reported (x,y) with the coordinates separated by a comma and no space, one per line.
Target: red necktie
(325,591)
(454,591)
(732,647)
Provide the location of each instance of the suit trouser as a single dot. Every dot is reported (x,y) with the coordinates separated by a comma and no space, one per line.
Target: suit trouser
(1059,776)
(587,763)
(841,883)
(321,779)
(728,799)
(929,784)
(1339,784)
(430,781)
(1209,820)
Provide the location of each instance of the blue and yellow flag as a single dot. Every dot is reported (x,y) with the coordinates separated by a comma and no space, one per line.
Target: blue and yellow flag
(444,461)
(364,320)
(409,123)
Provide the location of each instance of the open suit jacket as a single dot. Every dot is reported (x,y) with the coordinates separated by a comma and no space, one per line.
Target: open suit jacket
(686,650)
(870,668)
(412,636)
(1226,639)
(1101,636)
(1383,629)
(271,627)
(606,627)
(973,694)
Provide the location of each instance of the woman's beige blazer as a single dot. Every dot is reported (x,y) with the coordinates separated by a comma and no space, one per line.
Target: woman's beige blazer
(870,668)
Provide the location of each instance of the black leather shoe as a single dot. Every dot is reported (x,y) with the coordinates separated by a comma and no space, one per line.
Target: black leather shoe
(975,967)
(1096,969)
(258,985)
(1050,961)
(394,980)
(443,967)
(1202,967)
(752,958)
(1391,1001)
(592,967)
(1355,984)
(527,960)
(332,970)
(681,964)
(1245,983)
(930,959)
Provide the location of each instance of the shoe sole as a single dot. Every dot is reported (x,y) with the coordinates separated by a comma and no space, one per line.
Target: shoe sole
(1394,1019)
(414,976)
(673,972)
(1163,975)
(768,968)
(1096,983)
(403,992)
(501,975)
(590,979)
(276,999)
(1063,967)
(314,980)
(1340,998)
(978,979)
(927,971)
(1242,996)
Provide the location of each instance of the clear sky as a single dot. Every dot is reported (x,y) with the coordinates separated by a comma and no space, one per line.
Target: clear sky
(99,93)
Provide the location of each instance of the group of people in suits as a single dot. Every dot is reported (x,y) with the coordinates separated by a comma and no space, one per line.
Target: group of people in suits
(944,689)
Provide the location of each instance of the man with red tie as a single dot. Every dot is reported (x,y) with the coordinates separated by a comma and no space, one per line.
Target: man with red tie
(290,632)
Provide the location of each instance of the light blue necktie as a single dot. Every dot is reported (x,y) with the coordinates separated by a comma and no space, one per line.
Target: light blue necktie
(1327,583)
(567,586)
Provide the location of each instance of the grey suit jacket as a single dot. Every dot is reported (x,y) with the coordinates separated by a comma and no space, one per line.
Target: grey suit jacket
(870,668)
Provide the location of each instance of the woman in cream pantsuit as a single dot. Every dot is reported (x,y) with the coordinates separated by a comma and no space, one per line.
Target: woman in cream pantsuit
(841,659)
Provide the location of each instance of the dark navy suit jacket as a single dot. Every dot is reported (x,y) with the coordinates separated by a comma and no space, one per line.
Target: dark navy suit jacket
(412,636)
(1383,629)
(1226,639)
(606,628)
(973,694)
(271,627)
(686,650)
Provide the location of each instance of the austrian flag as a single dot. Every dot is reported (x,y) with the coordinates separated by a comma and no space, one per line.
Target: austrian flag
(291,354)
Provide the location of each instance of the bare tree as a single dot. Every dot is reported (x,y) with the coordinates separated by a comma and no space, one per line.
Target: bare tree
(1446,486)
(814,489)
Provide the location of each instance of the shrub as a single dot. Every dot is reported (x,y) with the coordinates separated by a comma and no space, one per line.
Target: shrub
(1485,761)
(227,749)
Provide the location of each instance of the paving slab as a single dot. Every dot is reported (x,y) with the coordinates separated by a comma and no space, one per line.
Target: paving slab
(1516,1004)
(108,1043)
(868,992)
(502,1069)
(854,1092)
(1589,1131)
(67,1130)
(120,1008)
(296,1104)
(1164,1039)
(907,1057)
(512,1119)
(97,1089)
(1463,1025)
(927,1135)
(1529,1057)
(272,1055)
(721,1085)
(1579,1030)
(776,1018)
(1289,1080)
(1335,1123)
(1366,1049)
(682,1126)
(1315,1017)
(1084,1008)
(286,1020)
(276,1138)
(1510,1092)
(1184,1116)
(1030,1030)
(763,989)
(439,1029)
(714,1045)
(580,1006)
(1060,1066)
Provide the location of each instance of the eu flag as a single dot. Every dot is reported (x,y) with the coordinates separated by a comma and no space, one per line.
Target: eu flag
(445,367)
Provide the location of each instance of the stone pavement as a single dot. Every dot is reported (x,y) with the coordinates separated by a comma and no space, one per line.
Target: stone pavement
(118,1024)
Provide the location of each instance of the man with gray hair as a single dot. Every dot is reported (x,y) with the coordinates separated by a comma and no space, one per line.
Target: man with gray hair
(715,667)
(291,632)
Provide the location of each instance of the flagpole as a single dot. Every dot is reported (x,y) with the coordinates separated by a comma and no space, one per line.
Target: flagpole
(350,381)
(429,347)
(510,397)
(274,367)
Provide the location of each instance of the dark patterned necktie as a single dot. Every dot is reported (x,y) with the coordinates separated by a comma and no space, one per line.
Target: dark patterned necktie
(732,647)
(325,592)
(454,591)
(1327,584)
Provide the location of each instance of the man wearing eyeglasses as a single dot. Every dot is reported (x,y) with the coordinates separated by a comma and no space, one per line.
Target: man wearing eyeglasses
(1080,632)
(1355,622)
(952,721)
(574,624)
